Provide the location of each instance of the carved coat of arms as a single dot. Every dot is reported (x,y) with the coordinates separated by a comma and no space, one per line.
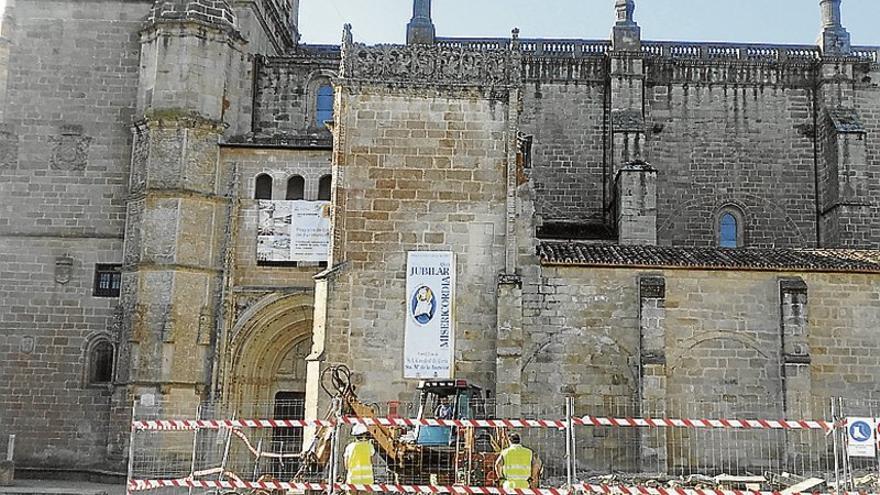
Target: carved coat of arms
(70,150)
(63,270)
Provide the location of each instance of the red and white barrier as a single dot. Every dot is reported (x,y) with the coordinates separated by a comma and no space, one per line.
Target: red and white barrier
(145,485)
(651,490)
(461,423)
(212,424)
(744,424)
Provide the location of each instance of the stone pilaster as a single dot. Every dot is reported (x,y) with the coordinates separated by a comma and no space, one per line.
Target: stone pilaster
(509,381)
(652,380)
(795,363)
(179,204)
(420,30)
(636,204)
(796,359)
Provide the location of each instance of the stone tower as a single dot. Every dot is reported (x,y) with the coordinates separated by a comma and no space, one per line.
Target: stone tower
(191,55)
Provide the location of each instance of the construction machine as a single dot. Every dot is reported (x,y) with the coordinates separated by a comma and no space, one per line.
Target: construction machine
(418,455)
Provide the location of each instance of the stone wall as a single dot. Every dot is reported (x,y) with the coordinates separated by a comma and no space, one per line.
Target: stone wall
(64,162)
(708,344)
(247,163)
(722,334)
(270,26)
(286,95)
(849,158)
(723,135)
(567,122)
(422,169)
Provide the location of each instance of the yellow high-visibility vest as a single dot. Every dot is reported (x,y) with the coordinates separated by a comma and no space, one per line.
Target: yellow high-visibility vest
(360,464)
(517,466)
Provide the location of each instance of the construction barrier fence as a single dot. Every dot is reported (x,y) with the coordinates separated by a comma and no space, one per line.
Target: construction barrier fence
(611,446)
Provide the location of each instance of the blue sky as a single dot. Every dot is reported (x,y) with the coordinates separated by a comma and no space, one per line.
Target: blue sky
(770,21)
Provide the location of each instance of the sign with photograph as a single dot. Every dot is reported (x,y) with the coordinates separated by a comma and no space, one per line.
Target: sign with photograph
(429,335)
(291,231)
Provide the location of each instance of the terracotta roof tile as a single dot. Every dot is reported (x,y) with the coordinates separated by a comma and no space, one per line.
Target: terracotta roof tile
(822,260)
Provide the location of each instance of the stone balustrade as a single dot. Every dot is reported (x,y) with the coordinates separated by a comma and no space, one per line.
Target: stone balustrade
(671,49)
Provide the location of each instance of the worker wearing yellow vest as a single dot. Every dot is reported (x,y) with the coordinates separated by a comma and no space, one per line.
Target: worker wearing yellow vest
(517,466)
(359,457)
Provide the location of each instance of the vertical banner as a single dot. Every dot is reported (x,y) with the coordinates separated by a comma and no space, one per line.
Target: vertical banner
(861,436)
(429,337)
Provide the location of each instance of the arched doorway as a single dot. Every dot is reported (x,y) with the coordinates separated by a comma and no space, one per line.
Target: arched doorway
(266,358)
(266,374)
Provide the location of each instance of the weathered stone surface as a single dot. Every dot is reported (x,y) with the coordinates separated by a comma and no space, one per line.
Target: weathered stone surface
(138,144)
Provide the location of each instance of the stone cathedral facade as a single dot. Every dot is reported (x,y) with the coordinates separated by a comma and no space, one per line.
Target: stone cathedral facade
(638,221)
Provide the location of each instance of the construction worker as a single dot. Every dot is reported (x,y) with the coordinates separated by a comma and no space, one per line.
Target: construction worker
(443,409)
(359,457)
(517,466)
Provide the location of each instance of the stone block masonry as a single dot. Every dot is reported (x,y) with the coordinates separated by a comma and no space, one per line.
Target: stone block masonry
(67,98)
(421,170)
(419,174)
(280,165)
(743,146)
(568,156)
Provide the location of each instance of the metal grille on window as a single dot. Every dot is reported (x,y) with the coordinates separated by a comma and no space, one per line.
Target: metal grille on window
(108,280)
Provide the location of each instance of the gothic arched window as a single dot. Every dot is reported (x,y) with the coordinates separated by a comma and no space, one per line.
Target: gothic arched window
(296,188)
(263,187)
(324,106)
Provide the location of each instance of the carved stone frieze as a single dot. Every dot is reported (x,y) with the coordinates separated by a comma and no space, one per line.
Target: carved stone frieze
(427,65)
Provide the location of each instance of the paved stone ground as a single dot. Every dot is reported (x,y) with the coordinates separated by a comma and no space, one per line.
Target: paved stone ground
(58,487)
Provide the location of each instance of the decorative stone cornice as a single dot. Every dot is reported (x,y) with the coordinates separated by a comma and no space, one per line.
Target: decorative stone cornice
(426,65)
(177,119)
(206,15)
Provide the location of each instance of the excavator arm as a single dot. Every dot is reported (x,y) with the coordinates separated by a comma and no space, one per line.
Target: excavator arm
(336,382)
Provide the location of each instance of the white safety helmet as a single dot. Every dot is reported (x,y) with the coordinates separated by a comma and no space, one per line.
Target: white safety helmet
(359,429)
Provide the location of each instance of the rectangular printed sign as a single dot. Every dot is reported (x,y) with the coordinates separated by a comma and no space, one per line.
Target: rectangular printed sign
(293,231)
(861,434)
(429,337)
(310,234)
